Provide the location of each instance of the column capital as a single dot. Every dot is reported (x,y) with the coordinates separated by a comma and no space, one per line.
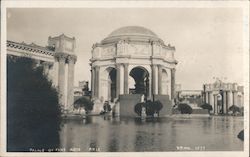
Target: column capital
(173,69)
(125,64)
(59,56)
(72,59)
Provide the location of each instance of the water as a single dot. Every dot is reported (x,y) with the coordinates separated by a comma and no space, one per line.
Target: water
(107,134)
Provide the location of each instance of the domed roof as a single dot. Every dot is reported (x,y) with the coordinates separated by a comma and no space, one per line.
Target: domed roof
(131,32)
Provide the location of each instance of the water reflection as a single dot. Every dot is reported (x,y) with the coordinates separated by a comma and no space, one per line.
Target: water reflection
(105,133)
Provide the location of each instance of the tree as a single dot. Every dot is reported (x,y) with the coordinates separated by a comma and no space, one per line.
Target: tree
(85,103)
(207,106)
(185,108)
(151,107)
(138,108)
(234,109)
(33,111)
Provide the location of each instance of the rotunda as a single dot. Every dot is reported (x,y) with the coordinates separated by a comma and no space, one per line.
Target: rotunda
(132,60)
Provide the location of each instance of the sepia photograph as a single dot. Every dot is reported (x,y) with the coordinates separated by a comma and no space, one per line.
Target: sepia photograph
(134,77)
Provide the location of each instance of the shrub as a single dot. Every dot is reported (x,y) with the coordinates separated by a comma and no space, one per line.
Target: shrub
(106,107)
(185,109)
(138,108)
(33,111)
(207,106)
(85,103)
(234,109)
(151,107)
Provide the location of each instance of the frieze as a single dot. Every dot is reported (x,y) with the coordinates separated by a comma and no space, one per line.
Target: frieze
(142,50)
(108,51)
(31,48)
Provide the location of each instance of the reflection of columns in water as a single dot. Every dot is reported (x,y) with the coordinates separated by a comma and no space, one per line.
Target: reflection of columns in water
(159,79)
(71,67)
(126,78)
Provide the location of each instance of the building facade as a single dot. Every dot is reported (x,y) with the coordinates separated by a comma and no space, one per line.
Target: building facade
(223,95)
(58,60)
(132,60)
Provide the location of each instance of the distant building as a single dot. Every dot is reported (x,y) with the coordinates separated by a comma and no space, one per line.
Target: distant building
(223,95)
(82,89)
(191,97)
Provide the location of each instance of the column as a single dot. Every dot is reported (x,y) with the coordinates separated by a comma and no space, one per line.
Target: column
(159,79)
(97,81)
(173,83)
(121,79)
(215,104)
(230,98)
(224,102)
(235,98)
(154,79)
(70,91)
(93,82)
(117,80)
(45,68)
(61,77)
(211,99)
(126,90)
(206,97)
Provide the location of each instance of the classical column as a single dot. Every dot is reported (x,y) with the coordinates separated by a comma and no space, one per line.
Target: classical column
(97,81)
(61,77)
(207,97)
(215,104)
(154,79)
(118,80)
(126,79)
(230,98)
(45,68)
(173,83)
(71,69)
(159,79)
(235,98)
(211,99)
(93,82)
(224,102)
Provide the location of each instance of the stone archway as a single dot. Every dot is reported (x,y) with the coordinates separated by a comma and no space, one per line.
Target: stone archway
(108,85)
(164,83)
(141,78)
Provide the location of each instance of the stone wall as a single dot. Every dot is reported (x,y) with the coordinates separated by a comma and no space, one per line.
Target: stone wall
(127,104)
(167,104)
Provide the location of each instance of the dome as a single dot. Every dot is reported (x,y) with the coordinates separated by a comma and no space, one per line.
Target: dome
(131,33)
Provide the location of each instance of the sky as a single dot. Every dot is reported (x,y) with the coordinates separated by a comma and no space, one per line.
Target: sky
(208,41)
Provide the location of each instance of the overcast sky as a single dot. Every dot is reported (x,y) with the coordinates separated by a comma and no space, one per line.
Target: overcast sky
(208,41)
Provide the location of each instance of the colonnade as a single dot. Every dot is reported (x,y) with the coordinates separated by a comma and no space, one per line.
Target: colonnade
(122,83)
(227,99)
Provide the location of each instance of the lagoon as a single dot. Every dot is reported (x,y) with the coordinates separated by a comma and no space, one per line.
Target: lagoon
(107,134)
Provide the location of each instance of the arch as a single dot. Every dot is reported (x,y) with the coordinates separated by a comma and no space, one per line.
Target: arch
(108,85)
(141,79)
(164,82)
